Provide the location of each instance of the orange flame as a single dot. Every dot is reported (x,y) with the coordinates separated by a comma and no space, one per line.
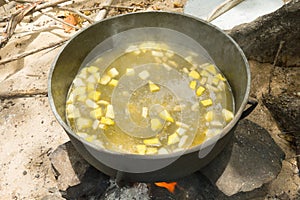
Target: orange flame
(168,186)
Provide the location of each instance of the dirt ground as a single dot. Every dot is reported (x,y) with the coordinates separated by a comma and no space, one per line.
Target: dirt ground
(29,131)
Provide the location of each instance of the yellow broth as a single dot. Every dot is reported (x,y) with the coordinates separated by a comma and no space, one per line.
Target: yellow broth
(149,100)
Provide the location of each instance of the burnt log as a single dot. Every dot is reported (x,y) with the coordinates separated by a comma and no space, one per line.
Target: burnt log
(260,39)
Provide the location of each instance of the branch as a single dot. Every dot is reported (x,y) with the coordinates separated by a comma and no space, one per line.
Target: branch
(61,21)
(22,55)
(28,93)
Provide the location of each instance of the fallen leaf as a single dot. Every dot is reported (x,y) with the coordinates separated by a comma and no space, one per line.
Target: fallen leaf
(71,19)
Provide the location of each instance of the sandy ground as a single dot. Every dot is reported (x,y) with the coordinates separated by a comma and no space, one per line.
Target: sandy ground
(29,131)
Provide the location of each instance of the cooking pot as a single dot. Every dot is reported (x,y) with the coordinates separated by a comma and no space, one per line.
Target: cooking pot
(224,51)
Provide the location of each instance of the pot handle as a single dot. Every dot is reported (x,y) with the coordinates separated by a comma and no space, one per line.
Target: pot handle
(253,103)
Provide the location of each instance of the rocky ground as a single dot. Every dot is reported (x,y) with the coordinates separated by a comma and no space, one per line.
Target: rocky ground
(29,132)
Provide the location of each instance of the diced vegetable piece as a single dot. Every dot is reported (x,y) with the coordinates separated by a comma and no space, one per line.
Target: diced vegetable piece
(170,53)
(102,126)
(152,142)
(113,72)
(90,138)
(103,102)
(82,98)
(92,104)
(181,131)
(144,75)
(206,102)
(83,73)
(203,80)
(144,112)
(195,107)
(204,65)
(185,70)
(104,79)
(204,73)
(90,87)
(95,124)
(200,91)
(110,112)
(113,82)
(151,150)
(179,108)
(228,115)
(96,114)
(194,74)
(79,91)
(94,95)
(91,79)
(193,84)
(75,113)
(157,53)
(209,116)
(189,59)
(167,67)
(82,123)
(173,139)
(153,87)
(107,121)
(216,124)
(78,82)
(83,135)
(183,125)
(137,52)
(166,116)
(130,72)
(162,151)
(131,48)
(158,60)
(212,88)
(156,124)
(219,76)
(211,69)
(70,98)
(141,149)
(215,81)
(182,141)
(173,63)
(92,69)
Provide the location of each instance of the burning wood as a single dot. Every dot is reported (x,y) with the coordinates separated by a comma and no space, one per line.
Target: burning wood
(169,186)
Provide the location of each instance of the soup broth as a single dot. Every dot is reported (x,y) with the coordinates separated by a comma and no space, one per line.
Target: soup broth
(149,99)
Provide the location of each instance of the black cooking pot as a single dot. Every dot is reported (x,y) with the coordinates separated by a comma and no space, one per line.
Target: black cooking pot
(222,49)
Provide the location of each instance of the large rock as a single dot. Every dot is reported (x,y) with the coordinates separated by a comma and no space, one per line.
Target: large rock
(68,165)
(253,160)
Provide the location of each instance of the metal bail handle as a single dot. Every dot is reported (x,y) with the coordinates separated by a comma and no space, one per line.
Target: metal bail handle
(253,103)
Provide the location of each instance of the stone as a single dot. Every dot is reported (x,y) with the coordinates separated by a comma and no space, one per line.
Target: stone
(68,165)
(250,161)
(260,39)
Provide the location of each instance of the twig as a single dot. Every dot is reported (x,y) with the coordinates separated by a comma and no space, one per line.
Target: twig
(49,4)
(18,16)
(78,13)
(273,67)
(61,21)
(25,33)
(14,20)
(103,12)
(27,1)
(112,6)
(22,55)
(18,94)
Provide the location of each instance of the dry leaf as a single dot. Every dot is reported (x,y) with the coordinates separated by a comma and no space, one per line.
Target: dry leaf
(71,19)
(177,5)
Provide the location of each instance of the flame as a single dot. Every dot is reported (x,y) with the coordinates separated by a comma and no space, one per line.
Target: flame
(168,186)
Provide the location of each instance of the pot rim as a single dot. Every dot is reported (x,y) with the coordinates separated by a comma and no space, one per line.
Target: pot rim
(199,147)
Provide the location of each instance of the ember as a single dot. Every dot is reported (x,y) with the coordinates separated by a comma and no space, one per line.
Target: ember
(168,186)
